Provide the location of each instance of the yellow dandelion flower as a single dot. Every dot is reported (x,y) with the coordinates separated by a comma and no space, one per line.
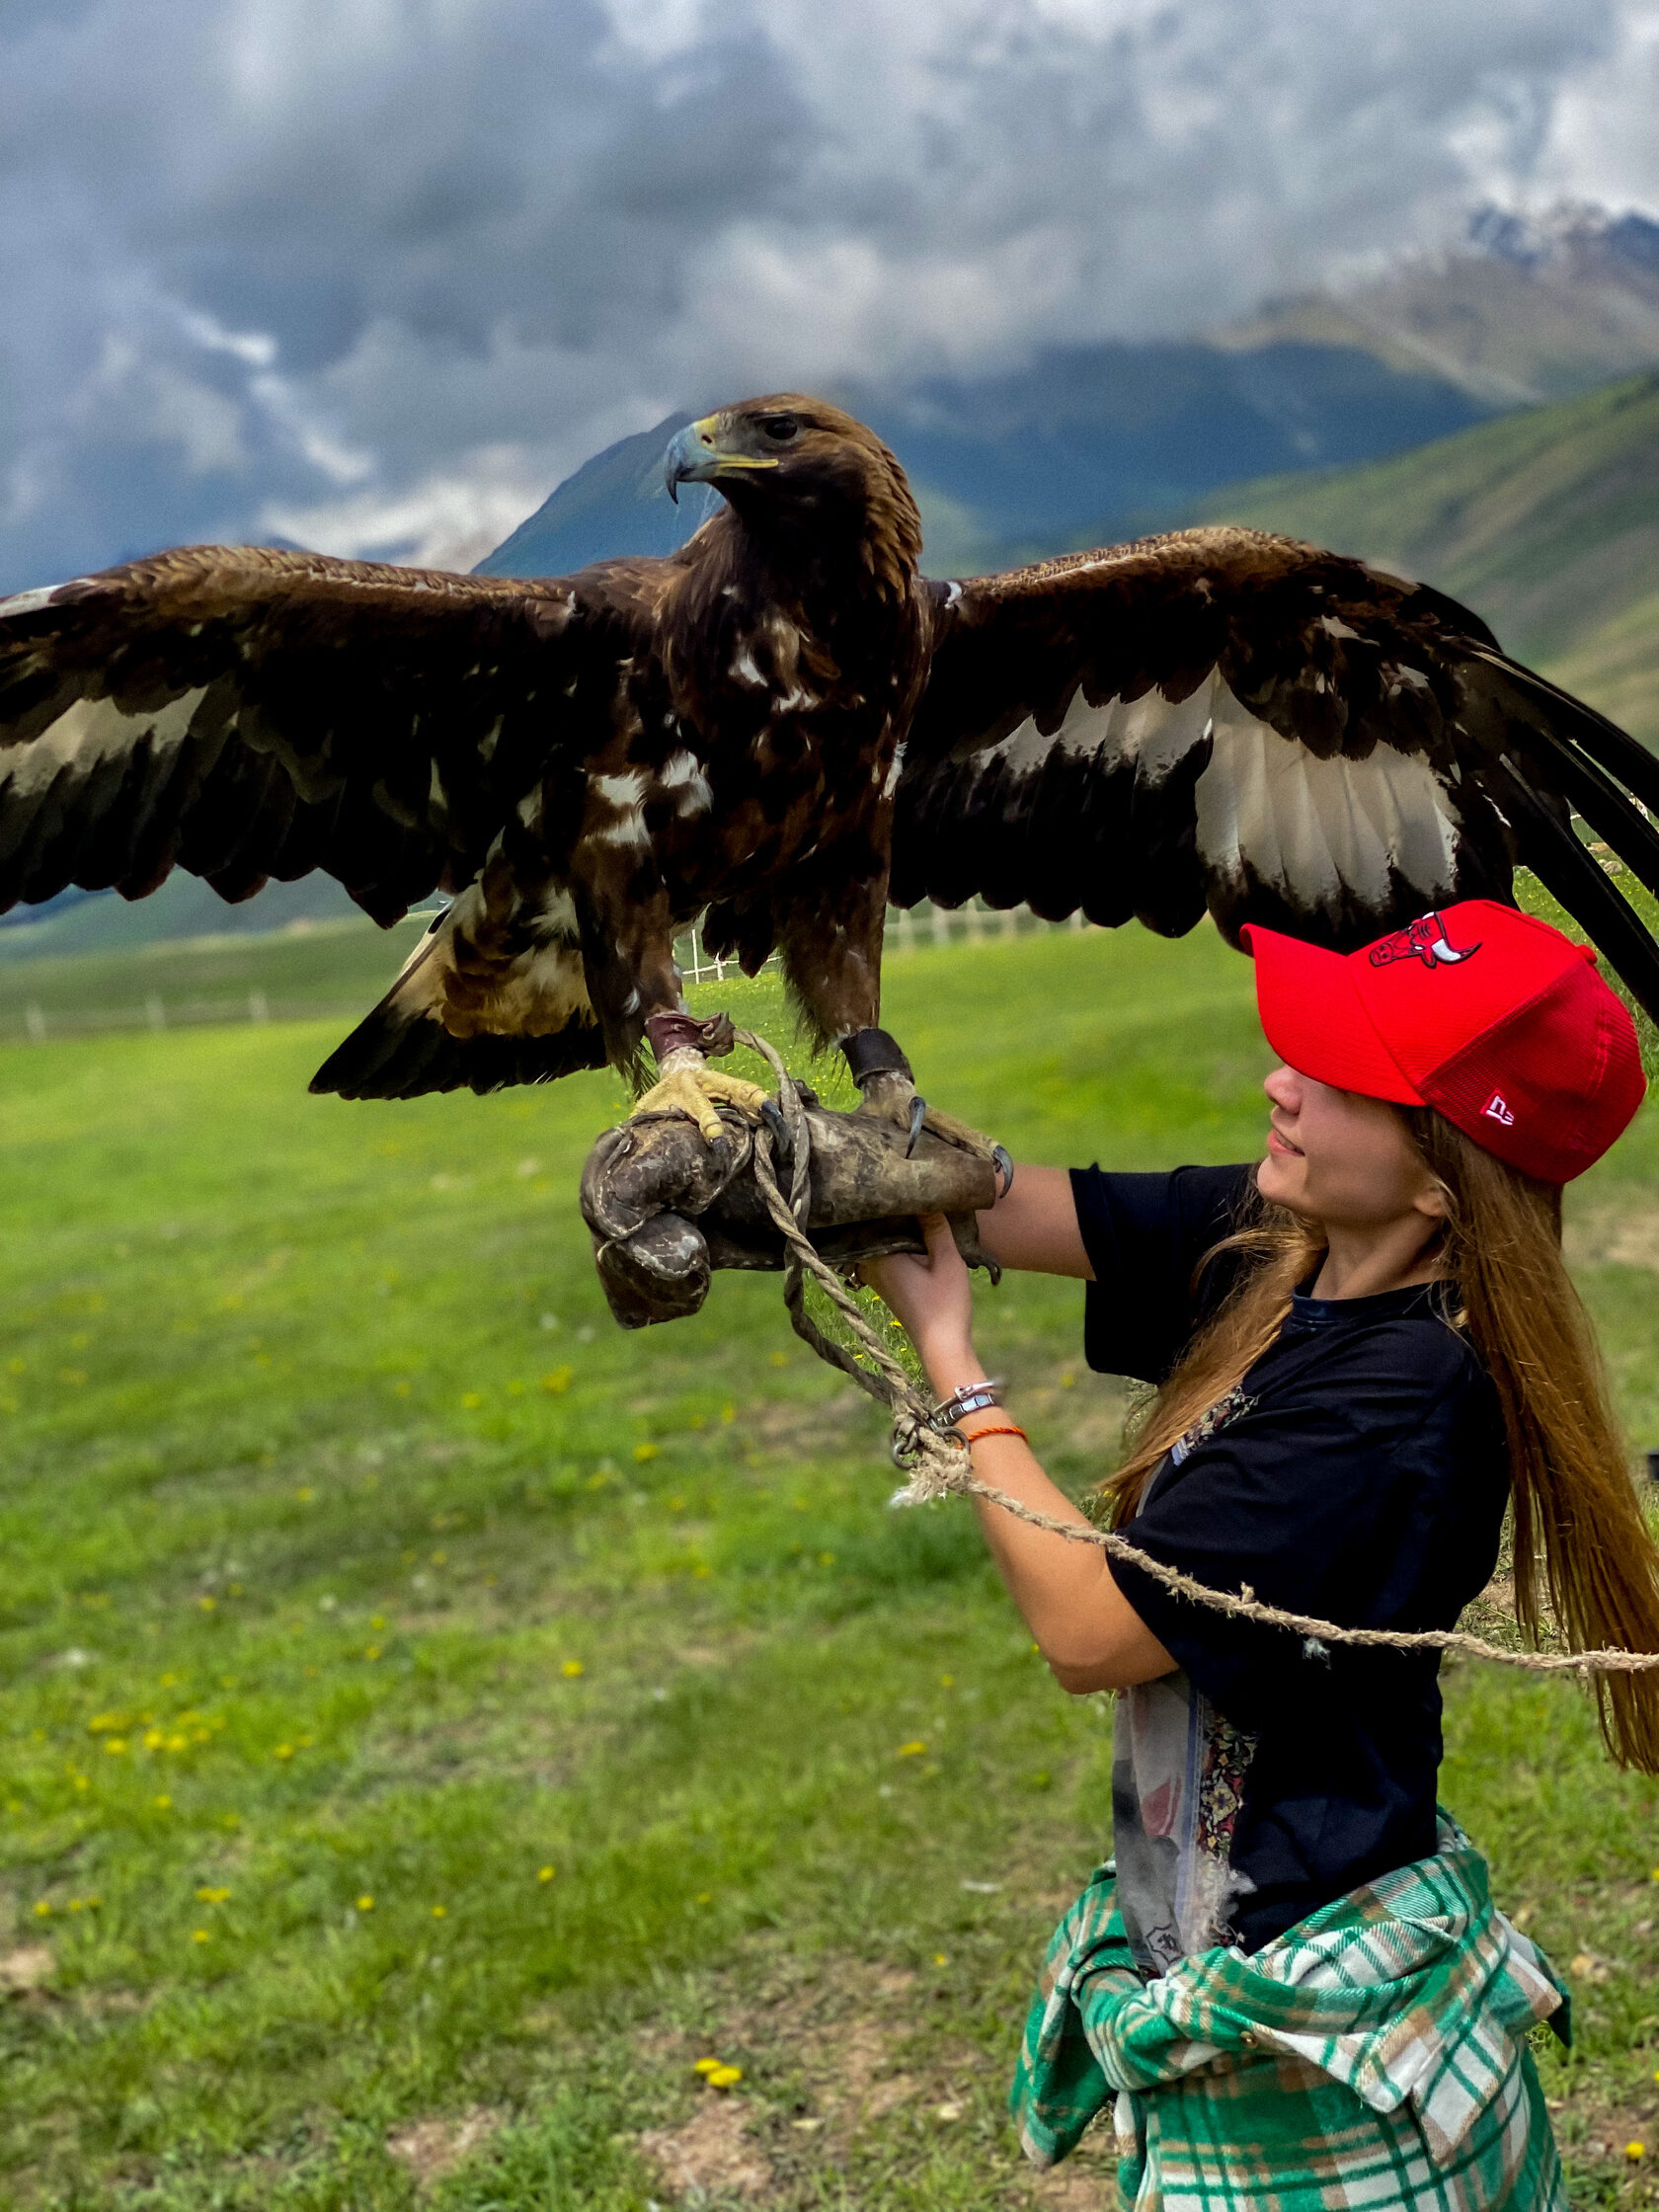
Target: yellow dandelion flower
(43,1910)
(440,1912)
(1635,2150)
(645,1451)
(556,1380)
(283,1751)
(708,2066)
(441,1559)
(728,1414)
(378,1620)
(912,1750)
(116,1744)
(200,1936)
(471,1400)
(208,1896)
(724,2077)
(573,1668)
(545,1873)
(178,1743)
(153,1739)
(365,1904)
(939,1959)
(705,1897)
(163,1804)
(777,1359)
(371,1651)
(305,1493)
(207,1604)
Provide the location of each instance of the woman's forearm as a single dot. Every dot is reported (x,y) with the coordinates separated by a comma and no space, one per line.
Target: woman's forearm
(1084,1625)
(1034,1226)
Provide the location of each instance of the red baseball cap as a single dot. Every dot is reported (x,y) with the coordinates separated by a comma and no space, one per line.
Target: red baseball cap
(1486,1014)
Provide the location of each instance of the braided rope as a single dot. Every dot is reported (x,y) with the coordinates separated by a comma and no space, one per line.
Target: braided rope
(939,1466)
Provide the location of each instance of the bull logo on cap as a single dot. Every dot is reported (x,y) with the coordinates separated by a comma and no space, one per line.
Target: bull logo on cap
(1424,939)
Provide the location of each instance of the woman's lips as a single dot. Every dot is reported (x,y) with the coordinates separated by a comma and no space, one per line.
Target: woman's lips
(1278,1144)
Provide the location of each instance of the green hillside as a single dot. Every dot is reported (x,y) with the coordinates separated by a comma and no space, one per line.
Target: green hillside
(1545,521)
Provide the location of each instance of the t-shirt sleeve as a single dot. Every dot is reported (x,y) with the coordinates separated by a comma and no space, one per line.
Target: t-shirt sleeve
(1144,1234)
(1309,1504)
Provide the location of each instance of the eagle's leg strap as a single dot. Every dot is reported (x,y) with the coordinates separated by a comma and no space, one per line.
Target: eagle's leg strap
(877,1064)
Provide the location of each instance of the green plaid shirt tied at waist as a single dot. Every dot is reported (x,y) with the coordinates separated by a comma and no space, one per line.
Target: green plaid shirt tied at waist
(1374,2055)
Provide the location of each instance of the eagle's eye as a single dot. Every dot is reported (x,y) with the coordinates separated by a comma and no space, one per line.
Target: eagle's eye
(780,428)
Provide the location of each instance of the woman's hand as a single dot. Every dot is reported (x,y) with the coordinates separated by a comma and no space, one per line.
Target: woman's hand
(934,1299)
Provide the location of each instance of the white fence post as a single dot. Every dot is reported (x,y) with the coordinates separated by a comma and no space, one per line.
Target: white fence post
(36,1023)
(259,1006)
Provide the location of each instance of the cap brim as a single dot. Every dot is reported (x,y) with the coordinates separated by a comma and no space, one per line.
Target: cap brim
(1315,1019)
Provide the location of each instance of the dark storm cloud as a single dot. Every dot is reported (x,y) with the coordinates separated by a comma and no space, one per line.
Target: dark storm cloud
(373,272)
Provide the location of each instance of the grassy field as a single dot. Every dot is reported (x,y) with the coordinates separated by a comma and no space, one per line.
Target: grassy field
(436,1720)
(345,965)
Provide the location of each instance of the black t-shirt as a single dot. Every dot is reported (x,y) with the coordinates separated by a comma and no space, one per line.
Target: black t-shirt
(1363,1481)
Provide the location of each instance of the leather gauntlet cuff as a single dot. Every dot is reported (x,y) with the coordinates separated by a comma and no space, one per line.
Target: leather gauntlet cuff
(872,1051)
(669,1032)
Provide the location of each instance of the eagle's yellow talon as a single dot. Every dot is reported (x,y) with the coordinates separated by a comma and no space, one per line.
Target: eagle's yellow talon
(694,1091)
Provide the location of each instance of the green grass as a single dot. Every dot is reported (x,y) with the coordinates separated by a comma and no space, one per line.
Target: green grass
(397,1573)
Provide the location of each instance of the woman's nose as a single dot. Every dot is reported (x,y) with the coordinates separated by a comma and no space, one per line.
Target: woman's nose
(1284,1087)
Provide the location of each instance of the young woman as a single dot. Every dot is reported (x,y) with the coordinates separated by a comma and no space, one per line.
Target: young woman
(1367,1348)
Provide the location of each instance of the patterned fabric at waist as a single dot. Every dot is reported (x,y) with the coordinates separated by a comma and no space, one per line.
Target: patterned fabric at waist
(1408,1999)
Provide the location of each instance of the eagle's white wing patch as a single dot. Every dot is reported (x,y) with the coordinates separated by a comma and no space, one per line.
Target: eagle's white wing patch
(88,732)
(1329,835)
(1151,732)
(1326,833)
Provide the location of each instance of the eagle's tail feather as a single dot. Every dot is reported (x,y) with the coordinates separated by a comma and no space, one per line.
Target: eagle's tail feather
(538,1024)
(398,1055)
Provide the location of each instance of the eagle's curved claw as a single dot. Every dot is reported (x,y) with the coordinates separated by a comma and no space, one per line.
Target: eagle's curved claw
(919,1115)
(695,1090)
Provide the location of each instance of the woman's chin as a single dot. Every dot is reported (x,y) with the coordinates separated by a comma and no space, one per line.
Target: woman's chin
(1276,1181)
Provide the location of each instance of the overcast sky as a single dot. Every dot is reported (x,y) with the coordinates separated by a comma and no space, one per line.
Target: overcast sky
(373,275)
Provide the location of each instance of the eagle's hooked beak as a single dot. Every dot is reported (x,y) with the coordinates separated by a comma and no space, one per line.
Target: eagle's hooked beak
(695,457)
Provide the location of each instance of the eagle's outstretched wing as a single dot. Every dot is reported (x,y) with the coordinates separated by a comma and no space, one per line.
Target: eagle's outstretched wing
(1223,719)
(247,714)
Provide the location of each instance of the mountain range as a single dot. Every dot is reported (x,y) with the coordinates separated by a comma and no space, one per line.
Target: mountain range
(1085,444)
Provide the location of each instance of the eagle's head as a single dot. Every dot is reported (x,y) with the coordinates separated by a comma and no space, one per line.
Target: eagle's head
(798,463)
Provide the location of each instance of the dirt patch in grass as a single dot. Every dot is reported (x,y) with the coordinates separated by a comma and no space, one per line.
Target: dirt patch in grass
(1625,1234)
(29,1967)
(711,2153)
(433,2148)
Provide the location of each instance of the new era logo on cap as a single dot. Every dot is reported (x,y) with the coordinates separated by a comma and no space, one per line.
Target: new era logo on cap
(1523,1047)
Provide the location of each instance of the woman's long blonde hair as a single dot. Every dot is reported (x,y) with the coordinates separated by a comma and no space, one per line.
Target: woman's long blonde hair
(1583,1552)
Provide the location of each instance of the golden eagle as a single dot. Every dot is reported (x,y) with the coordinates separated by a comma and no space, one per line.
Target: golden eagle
(778,729)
